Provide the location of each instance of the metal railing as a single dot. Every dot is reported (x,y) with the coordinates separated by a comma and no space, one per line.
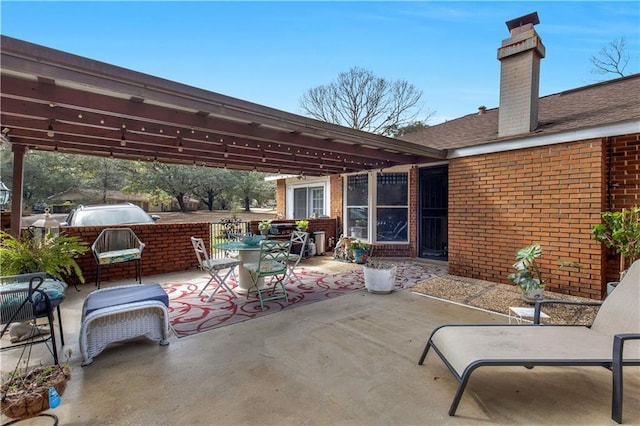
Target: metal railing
(222,231)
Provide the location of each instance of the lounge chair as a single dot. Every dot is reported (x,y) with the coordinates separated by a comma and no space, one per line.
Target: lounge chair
(463,348)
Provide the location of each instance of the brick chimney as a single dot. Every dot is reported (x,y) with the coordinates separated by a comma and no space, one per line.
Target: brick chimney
(520,57)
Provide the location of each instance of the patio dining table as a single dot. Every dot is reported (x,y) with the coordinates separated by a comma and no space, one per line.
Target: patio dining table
(246,254)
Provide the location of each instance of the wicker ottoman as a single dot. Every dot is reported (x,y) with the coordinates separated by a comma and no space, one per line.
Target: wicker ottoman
(121,313)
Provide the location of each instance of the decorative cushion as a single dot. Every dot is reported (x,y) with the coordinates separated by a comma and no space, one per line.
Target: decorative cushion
(119,256)
(55,290)
(266,267)
(115,296)
(223,263)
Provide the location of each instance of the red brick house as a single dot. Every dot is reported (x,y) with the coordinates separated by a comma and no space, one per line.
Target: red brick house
(532,170)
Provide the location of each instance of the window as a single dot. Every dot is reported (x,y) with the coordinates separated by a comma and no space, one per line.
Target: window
(308,200)
(377,204)
(357,208)
(392,207)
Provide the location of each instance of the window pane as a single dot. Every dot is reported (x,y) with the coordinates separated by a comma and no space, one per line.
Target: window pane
(392,189)
(300,203)
(317,201)
(357,190)
(357,197)
(392,224)
(357,219)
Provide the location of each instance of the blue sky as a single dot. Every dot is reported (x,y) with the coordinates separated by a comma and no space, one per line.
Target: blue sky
(270,53)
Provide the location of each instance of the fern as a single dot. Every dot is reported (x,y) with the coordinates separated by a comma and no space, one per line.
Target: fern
(54,255)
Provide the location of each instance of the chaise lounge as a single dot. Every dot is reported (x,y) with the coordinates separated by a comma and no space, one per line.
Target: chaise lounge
(463,348)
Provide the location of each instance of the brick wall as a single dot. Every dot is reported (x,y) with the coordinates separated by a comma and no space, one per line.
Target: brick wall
(622,189)
(167,249)
(328,225)
(550,195)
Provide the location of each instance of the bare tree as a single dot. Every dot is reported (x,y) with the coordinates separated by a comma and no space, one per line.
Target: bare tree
(360,100)
(611,59)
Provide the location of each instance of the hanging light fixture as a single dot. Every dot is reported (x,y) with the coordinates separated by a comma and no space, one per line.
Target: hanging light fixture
(180,147)
(123,139)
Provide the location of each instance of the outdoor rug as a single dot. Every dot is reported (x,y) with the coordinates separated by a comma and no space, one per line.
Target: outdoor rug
(190,314)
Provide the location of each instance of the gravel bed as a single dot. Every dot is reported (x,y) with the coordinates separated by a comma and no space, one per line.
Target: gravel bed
(498,298)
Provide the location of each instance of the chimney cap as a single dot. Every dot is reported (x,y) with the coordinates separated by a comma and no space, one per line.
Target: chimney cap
(531,18)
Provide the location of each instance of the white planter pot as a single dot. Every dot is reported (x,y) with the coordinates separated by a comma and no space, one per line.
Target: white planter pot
(380,281)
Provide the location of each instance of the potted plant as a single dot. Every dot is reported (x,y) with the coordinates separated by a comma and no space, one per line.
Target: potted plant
(528,276)
(302,225)
(379,276)
(28,392)
(621,232)
(53,255)
(361,251)
(264,227)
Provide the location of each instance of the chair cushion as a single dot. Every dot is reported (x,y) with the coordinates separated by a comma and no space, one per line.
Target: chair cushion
(115,296)
(220,263)
(56,290)
(266,267)
(119,256)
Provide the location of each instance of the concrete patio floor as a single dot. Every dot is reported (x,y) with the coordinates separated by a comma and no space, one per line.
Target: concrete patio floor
(351,360)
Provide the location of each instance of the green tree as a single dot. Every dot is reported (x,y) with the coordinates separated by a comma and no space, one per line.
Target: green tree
(409,128)
(178,181)
(360,100)
(252,186)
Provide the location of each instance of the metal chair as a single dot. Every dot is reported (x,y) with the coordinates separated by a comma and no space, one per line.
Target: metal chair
(298,240)
(214,267)
(273,262)
(117,245)
(28,297)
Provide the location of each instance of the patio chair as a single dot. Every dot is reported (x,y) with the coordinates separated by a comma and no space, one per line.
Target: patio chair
(117,245)
(463,348)
(214,267)
(26,298)
(273,262)
(298,243)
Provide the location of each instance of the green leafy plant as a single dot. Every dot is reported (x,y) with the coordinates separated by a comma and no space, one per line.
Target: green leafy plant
(54,255)
(264,225)
(621,232)
(302,224)
(360,245)
(529,276)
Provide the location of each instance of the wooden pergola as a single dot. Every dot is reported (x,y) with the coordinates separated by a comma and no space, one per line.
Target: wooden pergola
(55,101)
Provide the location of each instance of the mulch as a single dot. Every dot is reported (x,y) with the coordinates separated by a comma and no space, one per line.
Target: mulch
(496,297)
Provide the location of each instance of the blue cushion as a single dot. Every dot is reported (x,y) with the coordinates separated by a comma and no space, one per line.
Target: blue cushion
(53,288)
(121,295)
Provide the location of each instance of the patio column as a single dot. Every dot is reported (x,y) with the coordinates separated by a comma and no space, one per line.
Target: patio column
(16,189)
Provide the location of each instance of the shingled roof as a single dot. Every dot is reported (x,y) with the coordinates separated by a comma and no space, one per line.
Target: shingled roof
(610,102)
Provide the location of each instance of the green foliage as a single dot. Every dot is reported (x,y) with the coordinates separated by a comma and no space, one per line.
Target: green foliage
(621,232)
(302,224)
(360,245)
(264,225)
(528,276)
(54,256)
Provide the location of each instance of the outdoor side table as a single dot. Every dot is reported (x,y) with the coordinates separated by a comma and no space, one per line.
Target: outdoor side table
(519,313)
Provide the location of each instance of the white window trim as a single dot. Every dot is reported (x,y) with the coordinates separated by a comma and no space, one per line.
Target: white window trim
(371,206)
(292,184)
